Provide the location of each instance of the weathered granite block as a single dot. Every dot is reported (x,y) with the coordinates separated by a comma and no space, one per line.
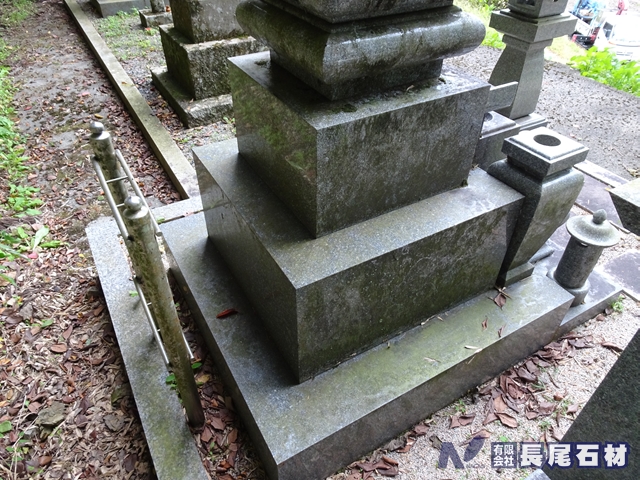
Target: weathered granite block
(201,68)
(532,30)
(150,19)
(206,20)
(626,199)
(352,59)
(337,163)
(107,8)
(323,300)
(309,431)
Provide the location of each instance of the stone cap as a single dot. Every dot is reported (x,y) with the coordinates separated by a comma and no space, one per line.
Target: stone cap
(593,230)
(542,152)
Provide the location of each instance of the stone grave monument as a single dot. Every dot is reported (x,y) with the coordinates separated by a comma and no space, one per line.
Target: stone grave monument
(156,15)
(350,233)
(196,47)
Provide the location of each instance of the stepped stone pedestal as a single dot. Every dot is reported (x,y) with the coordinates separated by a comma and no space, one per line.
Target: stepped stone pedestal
(350,218)
(107,8)
(196,47)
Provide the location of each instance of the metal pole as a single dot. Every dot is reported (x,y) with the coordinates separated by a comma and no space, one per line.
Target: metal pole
(106,155)
(148,266)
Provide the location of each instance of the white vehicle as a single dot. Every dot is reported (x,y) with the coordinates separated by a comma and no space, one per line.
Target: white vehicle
(618,33)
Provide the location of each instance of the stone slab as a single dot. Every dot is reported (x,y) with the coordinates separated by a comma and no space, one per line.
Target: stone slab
(148,19)
(310,430)
(601,174)
(206,20)
(312,154)
(595,196)
(362,57)
(192,113)
(173,162)
(201,68)
(531,121)
(625,269)
(171,444)
(626,199)
(337,11)
(379,277)
(107,8)
(610,415)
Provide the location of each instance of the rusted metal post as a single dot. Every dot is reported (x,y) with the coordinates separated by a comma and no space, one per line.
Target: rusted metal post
(147,264)
(106,155)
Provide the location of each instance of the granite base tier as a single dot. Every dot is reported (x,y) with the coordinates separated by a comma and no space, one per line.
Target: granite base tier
(328,298)
(312,152)
(495,129)
(201,68)
(310,430)
(192,113)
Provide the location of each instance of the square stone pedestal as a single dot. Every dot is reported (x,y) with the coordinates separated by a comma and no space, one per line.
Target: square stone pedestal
(325,299)
(310,430)
(149,19)
(336,163)
(195,81)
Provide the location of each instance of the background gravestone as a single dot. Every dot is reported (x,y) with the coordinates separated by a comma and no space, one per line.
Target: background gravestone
(196,47)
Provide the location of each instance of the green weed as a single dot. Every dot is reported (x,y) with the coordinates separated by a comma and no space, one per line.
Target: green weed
(22,200)
(14,12)
(604,67)
(617,305)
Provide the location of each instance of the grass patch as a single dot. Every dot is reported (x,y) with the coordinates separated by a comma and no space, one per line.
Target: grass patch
(126,38)
(605,67)
(14,12)
(483,11)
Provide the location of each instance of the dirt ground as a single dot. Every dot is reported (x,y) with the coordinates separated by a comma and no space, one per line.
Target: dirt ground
(58,347)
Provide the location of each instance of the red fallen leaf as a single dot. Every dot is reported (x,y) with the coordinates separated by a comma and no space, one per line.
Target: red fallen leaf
(408,446)
(486,390)
(233,436)
(533,369)
(354,476)
(531,414)
(500,330)
(59,348)
(206,435)
(572,408)
(601,318)
(98,310)
(226,313)
(490,418)
(389,472)
(466,419)
(34,407)
(555,434)
(217,423)
(612,346)
(33,255)
(366,466)
(527,376)
(484,323)
(500,300)
(558,396)
(454,422)
(231,459)
(85,404)
(81,421)
(389,460)
(44,460)
(479,434)
(129,462)
(28,107)
(420,429)
(507,420)
(67,333)
(546,408)
(499,405)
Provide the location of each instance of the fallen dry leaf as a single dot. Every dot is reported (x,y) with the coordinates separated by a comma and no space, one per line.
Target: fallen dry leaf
(58,348)
(612,346)
(226,313)
(507,420)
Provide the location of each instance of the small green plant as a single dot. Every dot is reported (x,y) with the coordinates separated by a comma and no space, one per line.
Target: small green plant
(23,201)
(493,39)
(545,425)
(504,438)
(15,12)
(605,67)
(617,305)
(460,406)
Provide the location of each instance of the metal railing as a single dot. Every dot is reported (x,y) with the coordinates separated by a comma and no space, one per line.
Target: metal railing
(139,229)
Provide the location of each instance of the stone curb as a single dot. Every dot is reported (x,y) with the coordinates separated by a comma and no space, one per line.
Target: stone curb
(171,443)
(180,171)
